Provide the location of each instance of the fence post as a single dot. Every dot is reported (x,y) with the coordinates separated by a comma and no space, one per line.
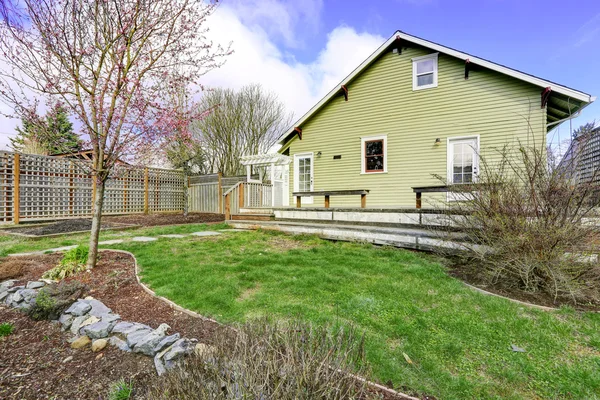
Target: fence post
(146,191)
(16,186)
(227,207)
(220,192)
(241,197)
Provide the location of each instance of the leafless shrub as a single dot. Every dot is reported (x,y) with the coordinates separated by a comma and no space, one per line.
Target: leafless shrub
(528,224)
(289,360)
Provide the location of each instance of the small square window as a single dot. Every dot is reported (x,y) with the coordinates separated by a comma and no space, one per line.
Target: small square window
(425,72)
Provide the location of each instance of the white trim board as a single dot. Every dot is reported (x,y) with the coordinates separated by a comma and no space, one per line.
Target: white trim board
(542,83)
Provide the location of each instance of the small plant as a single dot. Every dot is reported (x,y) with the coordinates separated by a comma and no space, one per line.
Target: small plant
(120,390)
(73,262)
(6,329)
(53,299)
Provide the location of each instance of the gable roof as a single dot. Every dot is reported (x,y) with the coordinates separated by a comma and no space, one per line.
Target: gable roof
(563,101)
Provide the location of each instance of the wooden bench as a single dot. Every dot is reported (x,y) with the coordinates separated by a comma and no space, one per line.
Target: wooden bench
(419,190)
(328,193)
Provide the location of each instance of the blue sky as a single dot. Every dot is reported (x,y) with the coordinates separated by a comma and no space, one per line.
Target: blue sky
(300,49)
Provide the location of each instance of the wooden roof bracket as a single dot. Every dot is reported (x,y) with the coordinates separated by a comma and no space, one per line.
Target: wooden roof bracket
(545,96)
(467,68)
(299,132)
(345,92)
(397,47)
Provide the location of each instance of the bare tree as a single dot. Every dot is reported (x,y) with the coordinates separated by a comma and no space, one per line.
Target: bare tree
(243,122)
(110,63)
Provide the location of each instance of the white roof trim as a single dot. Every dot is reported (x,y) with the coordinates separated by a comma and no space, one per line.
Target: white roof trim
(575,94)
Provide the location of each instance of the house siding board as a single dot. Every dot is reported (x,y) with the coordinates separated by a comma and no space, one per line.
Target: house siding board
(498,108)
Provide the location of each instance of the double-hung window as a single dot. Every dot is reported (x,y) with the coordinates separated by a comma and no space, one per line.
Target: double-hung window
(374,154)
(425,72)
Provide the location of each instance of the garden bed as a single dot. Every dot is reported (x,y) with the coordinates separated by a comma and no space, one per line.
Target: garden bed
(165,219)
(471,275)
(63,227)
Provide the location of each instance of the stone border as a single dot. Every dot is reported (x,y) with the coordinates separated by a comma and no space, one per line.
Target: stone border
(523,303)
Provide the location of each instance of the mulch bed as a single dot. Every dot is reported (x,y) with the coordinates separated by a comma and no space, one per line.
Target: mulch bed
(31,359)
(66,226)
(470,275)
(165,219)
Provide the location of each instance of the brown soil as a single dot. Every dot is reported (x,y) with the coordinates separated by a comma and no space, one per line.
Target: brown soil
(31,359)
(66,226)
(470,275)
(165,219)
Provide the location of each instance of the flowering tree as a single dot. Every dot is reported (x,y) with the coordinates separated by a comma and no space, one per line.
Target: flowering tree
(110,63)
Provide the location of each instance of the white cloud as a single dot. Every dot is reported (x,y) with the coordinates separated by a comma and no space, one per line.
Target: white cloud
(588,31)
(256,29)
(257,59)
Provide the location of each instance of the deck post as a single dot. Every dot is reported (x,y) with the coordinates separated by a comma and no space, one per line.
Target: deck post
(227,207)
(241,196)
(363,201)
(298,201)
(16,188)
(326,201)
(146,199)
(418,199)
(272,184)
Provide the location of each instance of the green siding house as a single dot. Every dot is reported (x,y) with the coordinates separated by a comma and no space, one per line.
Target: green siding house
(412,110)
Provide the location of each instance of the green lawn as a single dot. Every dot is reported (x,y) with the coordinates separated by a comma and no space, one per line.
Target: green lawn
(458,339)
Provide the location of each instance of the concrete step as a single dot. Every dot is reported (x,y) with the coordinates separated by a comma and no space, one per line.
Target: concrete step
(253,217)
(256,210)
(410,238)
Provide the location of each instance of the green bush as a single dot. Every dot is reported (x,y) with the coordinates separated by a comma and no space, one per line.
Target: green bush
(120,390)
(6,329)
(73,262)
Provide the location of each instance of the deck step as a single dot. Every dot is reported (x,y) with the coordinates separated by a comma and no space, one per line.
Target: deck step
(405,237)
(253,217)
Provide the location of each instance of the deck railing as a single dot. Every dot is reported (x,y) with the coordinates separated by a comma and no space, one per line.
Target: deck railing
(247,194)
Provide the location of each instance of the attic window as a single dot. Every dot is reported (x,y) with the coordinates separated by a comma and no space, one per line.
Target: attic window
(425,72)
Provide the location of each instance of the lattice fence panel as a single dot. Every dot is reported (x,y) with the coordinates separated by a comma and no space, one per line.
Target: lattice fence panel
(6,186)
(165,190)
(124,192)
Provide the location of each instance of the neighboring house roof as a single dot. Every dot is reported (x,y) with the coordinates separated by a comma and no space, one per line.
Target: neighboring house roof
(582,159)
(563,102)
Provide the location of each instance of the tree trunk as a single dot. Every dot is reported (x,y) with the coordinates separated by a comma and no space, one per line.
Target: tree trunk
(186,191)
(96,223)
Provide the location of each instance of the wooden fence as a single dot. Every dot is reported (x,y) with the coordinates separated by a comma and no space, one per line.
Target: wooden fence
(35,188)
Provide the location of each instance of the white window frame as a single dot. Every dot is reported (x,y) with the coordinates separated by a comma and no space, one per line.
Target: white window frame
(449,157)
(363,164)
(415,61)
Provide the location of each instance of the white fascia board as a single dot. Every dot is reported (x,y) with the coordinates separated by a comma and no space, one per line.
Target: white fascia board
(575,94)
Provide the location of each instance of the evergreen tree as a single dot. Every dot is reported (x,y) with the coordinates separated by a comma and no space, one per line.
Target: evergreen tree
(52,134)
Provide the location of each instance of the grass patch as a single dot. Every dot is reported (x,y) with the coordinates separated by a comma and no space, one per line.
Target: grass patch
(120,390)
(458,341)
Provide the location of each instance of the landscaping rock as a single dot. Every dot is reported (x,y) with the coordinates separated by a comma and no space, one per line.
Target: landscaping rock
(111,317)
(79,308)
(159,365)
(99,344)
(125,328)
(3,295)
(15,288)
(98,330)
(118,343)
(517,348)
(28,295)
(35,285)
(135,337)
(66,360)
(66,320)
(147,344)
(80,342)
(4,286)
(76,323)
(167,341)
(178,349)
(98,309)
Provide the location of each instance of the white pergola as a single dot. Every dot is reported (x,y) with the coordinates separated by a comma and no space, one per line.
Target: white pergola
(265,160)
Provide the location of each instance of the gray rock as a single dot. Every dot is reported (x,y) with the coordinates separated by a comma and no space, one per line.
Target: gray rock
(111,317)
(159,365)
(179,349)
(76,324)
(35,285)
(134,337)
(98,309)
(28,295)
(125,328)
(24,306)
(79,308)
(118,343)
(99,330)
(7,284)
(17,297)
(167,341)
(517,348)
(3,295)
(66,320)
(15,288)
(147,344)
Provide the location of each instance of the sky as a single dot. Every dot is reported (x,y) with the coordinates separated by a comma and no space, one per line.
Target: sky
(301,49)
